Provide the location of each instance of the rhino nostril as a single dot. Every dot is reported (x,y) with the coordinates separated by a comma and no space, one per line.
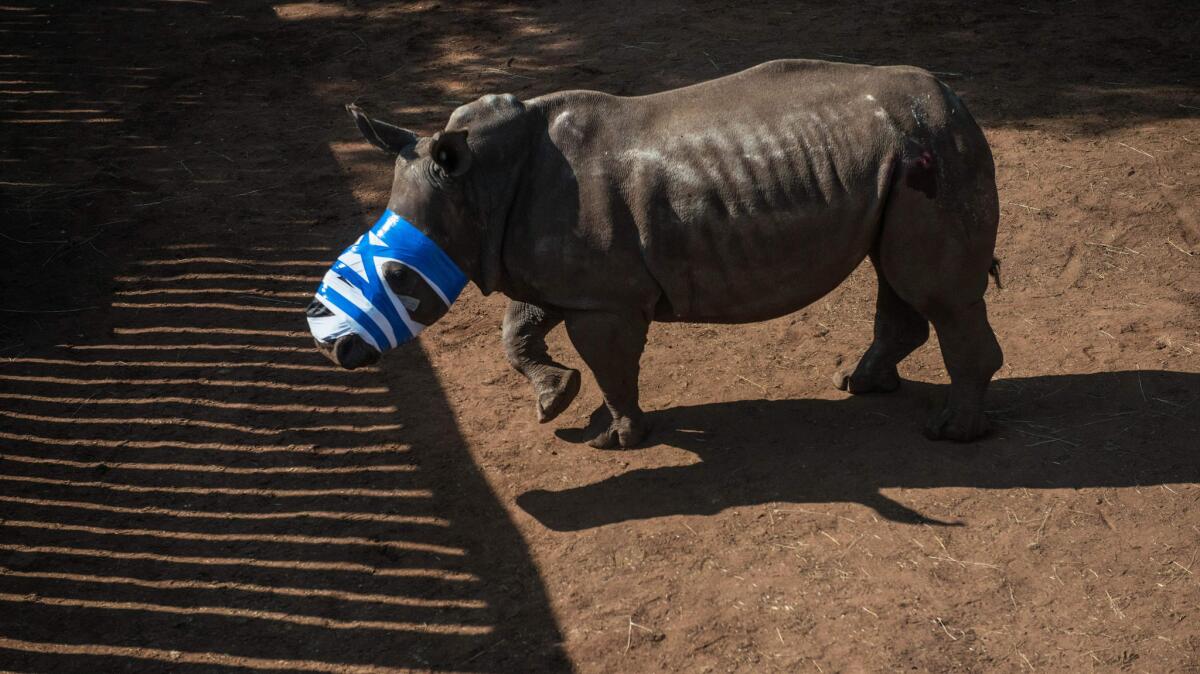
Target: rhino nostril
(352,351)
(317,309)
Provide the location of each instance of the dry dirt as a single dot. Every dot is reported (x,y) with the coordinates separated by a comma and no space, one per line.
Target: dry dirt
(185,485)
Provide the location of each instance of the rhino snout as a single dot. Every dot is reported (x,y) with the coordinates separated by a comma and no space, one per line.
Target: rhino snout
(349,351)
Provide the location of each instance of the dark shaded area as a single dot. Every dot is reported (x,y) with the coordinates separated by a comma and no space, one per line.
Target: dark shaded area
(189,486)
(1117,429)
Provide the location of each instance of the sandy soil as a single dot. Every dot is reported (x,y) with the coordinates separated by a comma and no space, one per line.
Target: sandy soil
(185,485)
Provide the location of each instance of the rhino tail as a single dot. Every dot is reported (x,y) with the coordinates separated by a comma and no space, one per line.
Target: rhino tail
(994,272)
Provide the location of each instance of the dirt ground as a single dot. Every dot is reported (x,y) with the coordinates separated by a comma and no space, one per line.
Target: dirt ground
(187,486)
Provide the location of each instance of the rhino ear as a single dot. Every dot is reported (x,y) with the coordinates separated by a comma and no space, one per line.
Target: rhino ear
(451,152)
(387,137)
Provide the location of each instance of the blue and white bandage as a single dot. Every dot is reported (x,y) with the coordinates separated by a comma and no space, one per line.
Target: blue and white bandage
(359,298)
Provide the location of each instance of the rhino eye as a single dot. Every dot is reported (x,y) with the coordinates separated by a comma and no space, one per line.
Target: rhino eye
(317,309)
(422,301)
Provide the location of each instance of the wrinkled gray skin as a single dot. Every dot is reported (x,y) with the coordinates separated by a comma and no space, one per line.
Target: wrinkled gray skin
(735,200)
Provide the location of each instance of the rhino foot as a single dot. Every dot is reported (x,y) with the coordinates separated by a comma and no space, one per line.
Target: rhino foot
(624,433)
(958,425)
(869,381)
(556,393)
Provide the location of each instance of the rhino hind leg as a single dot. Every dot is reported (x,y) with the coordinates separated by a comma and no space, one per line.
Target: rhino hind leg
(611,345)
(936,254)
(524,333)
(972,356)
(899,330)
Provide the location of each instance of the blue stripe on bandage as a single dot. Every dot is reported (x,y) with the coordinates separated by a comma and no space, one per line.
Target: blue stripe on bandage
(409,245)
(354,313)
(373,289)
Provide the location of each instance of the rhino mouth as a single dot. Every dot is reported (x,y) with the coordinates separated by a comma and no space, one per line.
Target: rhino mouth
(348,351)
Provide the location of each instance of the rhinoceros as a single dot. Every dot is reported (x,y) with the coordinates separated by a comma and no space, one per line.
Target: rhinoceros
(735,200)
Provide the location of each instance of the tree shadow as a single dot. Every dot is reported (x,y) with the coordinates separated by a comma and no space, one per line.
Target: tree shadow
(1093,65)
(1117,429)
(186,484)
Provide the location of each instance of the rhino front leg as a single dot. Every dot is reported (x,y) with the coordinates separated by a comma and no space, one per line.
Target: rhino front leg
(611,345)
(524,335)
(899,330)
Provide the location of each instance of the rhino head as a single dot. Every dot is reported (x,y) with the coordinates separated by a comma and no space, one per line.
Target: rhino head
(404,273)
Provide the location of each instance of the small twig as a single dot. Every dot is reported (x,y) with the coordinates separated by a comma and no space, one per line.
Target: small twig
(89,399)
(1031,208)
(1176,247)
(1047,437)
(481,652)
(1136,150)
(46,311)
(851,546)
(1113,604)
(33,243)
(629,636)
(505,72)
(952,637)
(963,563)
(1042,526)
(757,385)
(241,264)
(222,156)
(1123,250)
(261,189)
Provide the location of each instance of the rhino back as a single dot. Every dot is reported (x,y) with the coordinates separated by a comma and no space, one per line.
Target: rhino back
(738,199)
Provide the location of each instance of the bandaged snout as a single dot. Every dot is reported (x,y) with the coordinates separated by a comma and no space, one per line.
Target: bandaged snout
(358,297)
